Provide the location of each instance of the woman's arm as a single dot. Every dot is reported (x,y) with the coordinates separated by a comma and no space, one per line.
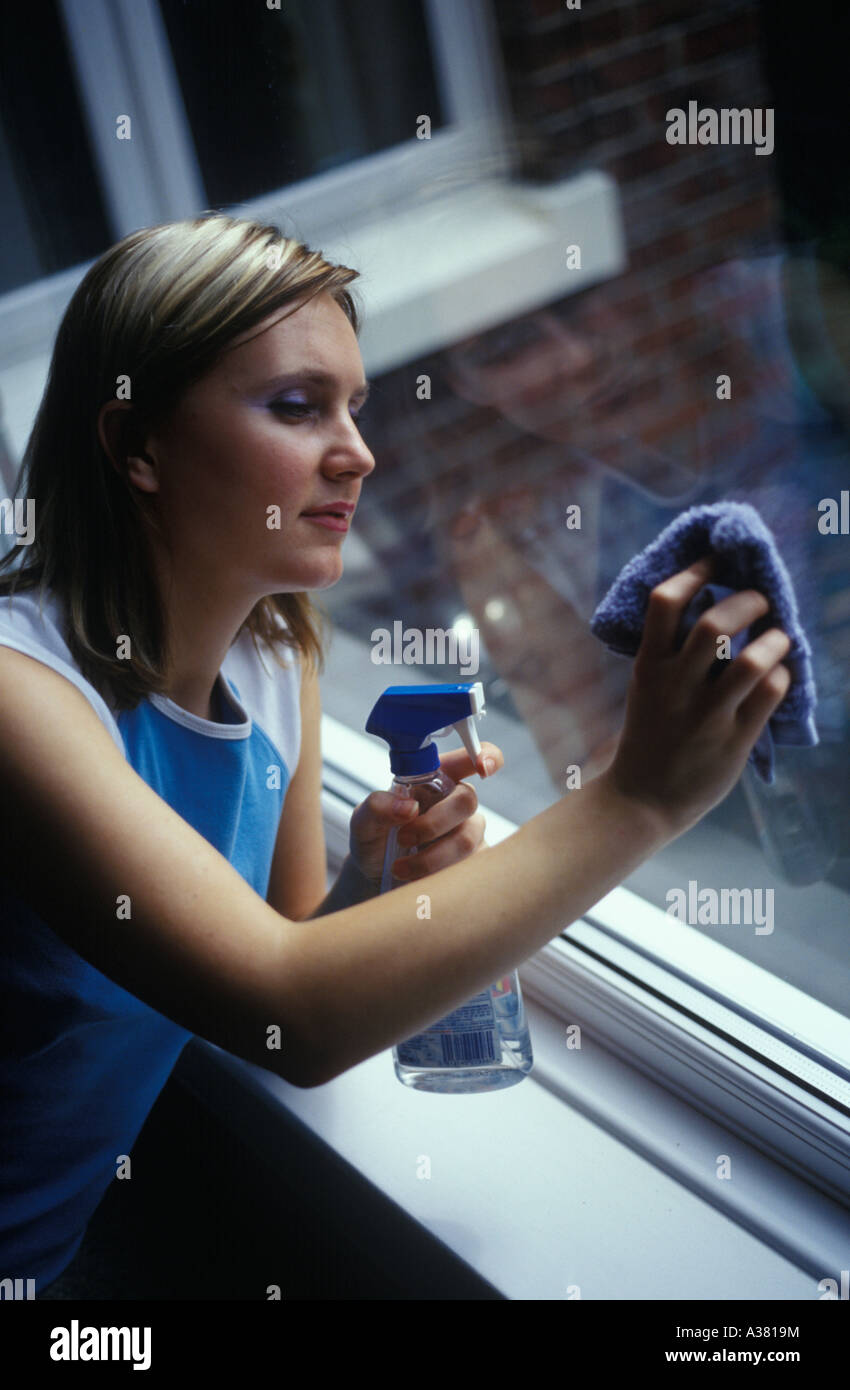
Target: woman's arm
(79,830)
(351,887)
(298,878)
(299,870)
(83,829)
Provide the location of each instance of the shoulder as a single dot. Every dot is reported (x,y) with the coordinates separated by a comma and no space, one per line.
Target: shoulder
(269,692)
(33,622)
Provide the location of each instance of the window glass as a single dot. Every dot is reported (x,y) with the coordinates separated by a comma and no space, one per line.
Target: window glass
(611,400)
(53,213)
(273,96)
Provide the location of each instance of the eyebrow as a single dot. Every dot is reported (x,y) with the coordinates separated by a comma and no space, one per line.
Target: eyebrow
(314,375)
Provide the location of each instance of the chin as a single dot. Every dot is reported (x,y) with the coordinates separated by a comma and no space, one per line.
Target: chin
(322,574)
(556,429)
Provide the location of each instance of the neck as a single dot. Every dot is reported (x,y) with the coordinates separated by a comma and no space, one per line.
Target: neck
(202,622)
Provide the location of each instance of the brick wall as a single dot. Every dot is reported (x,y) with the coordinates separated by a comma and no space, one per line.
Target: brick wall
(590,88)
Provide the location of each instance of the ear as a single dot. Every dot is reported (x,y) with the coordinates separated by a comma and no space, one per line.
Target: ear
(123,444)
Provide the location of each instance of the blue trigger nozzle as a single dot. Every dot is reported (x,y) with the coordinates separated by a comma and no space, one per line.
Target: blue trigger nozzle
(407,716)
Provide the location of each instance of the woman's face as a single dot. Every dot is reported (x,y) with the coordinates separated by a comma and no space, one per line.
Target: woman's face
(266,436)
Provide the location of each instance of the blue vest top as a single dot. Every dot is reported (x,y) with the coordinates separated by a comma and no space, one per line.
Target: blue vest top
(82,1060)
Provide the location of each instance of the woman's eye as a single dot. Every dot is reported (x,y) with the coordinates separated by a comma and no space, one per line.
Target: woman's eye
(301,408)
(298,408)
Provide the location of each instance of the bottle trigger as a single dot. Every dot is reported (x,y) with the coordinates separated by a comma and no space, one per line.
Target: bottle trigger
(469,733)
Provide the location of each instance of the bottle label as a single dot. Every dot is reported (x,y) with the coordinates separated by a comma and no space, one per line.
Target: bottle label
(466,1037)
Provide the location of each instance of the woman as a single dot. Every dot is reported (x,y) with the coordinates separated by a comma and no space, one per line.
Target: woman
(165,854)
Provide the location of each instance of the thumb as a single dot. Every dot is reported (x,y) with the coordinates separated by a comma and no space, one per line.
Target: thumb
(380,810)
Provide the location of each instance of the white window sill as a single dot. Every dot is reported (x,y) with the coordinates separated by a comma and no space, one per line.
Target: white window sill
(536,1197)
(429,275)
(455,265)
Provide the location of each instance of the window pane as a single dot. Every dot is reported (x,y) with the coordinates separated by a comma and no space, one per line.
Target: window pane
(609,400)
(52,209)
(274,96)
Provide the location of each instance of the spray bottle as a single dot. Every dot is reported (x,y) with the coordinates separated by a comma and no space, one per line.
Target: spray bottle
(485,1044)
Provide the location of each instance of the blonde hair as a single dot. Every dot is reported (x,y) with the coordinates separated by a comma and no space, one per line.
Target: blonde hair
(158,307)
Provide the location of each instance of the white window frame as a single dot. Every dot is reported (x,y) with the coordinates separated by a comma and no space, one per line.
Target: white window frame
(155,177)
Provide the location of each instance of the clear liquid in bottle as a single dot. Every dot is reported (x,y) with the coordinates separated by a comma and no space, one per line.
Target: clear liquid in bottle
(484,1045)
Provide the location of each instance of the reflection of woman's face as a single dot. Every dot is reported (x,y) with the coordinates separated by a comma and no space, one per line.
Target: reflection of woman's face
(599,379)
(540,370)
(531,370)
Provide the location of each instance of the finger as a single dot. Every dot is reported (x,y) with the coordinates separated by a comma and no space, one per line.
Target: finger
(442,817)
(757,709)
(385,806)
(752,665)
(457,763)
(449,849)
(724,619)
(667,603)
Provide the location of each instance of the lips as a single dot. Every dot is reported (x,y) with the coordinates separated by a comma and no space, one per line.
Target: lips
(342,510)
(329,521)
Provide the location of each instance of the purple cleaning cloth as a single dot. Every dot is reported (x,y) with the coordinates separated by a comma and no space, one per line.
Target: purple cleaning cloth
(746,557)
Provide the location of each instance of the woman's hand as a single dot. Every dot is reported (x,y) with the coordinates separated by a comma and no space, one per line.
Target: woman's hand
(687,737)
(451,829)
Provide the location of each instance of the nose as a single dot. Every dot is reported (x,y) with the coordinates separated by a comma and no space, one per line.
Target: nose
(574,348)
(351,454)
